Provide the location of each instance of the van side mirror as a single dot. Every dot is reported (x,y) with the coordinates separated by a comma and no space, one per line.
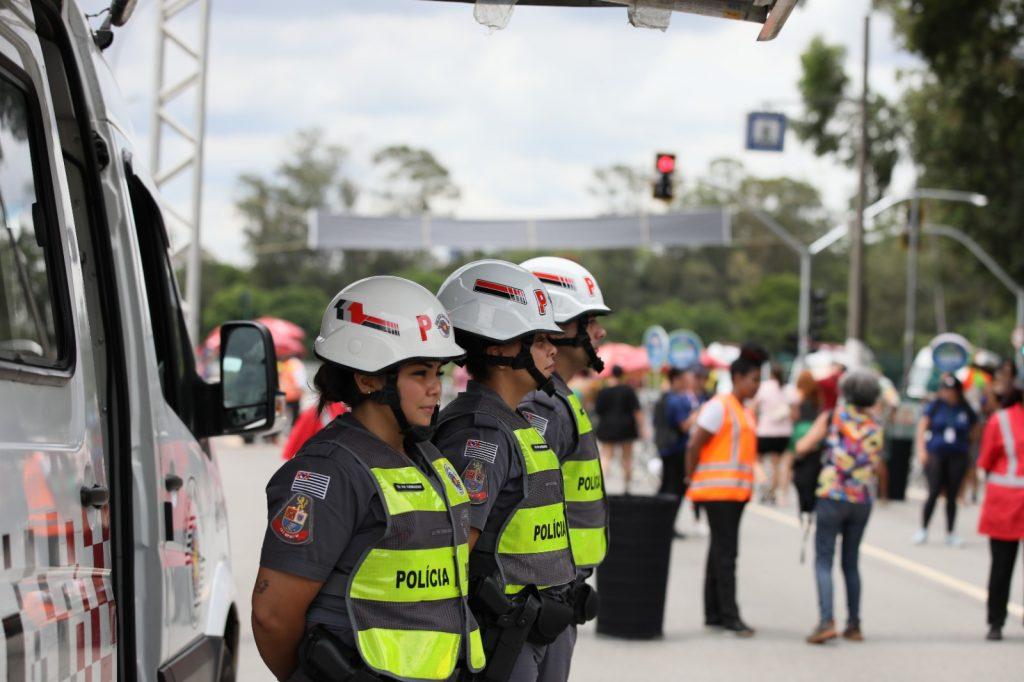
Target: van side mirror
(248,376)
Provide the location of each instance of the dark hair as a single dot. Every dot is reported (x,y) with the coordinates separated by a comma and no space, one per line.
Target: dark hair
(475,348)
(336,384)
(777,373)
(616,371)
(752,356)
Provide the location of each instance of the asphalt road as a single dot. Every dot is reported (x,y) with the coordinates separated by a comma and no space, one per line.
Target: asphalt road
(923,610)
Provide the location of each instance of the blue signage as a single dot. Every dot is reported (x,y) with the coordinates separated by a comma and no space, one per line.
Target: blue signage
(766,131)
(950,352)
(656,343)
(684,348)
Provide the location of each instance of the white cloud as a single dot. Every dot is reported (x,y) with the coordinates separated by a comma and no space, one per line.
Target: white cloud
(520,116)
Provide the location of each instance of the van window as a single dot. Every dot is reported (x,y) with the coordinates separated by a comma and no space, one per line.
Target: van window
(29,305)
(173,350)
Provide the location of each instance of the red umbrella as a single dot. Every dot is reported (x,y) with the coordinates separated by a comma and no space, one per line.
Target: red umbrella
(289,338)
(629,358)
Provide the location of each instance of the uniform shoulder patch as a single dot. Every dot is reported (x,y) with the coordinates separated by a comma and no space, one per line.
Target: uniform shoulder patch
(481,449)
(311,482)
(453,477)
(294,523)
(474,476)
(536,421)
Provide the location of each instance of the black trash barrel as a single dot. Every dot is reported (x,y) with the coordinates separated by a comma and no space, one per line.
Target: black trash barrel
(899,466)
(633,578)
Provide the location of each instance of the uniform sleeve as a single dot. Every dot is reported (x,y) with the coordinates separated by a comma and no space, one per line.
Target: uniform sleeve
(556,425)
(711,416)
(482,455)
(991,444)
(313,510)
(929,410)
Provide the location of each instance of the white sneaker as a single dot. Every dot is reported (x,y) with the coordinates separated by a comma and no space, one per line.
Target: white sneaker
(920,537)
(954,541)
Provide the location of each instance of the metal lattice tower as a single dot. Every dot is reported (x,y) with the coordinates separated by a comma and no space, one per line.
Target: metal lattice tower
(189,136)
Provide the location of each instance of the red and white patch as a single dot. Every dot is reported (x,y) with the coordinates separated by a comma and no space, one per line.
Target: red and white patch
(484,286)
(294,523)
(590,285)
(556,280)
(352,311)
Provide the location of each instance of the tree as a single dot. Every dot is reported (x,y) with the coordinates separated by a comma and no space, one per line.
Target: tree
(966,111)
(416,182)
(275,210)
(622,189)
(831,121)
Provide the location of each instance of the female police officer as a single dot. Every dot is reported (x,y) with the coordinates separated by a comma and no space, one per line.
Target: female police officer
(521,567)
(363,569)
(566,426)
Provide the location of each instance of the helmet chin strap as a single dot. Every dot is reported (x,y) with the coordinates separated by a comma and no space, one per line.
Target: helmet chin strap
(524,360)
(390,397)
(582,340)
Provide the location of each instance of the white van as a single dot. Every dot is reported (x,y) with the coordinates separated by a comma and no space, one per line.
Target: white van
(114,558)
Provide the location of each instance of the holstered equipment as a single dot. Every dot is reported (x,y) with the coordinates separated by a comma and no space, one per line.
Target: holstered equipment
(556,614)
(506,625)
(585,600)
(325,658)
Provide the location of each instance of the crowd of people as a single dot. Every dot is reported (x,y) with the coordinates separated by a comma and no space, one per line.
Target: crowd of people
(406,541)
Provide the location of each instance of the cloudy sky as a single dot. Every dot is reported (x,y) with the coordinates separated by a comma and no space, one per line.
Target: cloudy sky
(520,116)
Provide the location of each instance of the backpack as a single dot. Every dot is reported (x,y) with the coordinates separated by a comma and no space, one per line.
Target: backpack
(665,434)
(806,471)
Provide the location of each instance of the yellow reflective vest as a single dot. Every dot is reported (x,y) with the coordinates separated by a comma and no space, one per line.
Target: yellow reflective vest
(407,596)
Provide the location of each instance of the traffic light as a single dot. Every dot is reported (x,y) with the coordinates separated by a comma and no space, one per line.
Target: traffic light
(665,166)
(819,313)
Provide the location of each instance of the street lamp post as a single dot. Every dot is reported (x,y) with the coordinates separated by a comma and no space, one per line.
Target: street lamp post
(884,204)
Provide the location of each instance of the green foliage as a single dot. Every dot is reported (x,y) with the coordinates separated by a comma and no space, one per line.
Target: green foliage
(416,181)
(832,117)
(822,87)
(966,110)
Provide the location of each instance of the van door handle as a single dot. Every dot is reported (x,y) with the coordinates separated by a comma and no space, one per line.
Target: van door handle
(173,482)
(96,496)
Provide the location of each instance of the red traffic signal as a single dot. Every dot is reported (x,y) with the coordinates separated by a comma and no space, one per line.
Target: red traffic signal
(665,163)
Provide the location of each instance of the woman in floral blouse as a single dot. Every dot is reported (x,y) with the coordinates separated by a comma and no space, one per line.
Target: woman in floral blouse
(849,441)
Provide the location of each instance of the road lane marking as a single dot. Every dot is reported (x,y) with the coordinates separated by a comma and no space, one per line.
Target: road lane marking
(938,577)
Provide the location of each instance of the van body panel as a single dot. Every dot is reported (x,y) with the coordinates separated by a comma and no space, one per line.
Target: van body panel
(58,615)
(57,604)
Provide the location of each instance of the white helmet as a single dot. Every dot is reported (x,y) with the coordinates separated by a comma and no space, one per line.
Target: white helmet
(497,301)
(378,322)
(573,289)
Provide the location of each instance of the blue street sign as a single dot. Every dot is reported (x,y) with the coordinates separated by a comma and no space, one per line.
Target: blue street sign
(656,343)
(766,131)
(684,348)
(950,352)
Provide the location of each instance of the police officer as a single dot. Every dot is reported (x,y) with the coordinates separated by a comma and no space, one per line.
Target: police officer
(363,569)
(521,566)
(566,427)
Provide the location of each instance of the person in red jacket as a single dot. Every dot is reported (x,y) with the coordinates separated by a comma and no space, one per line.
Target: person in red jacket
(1002,513)
(308,424)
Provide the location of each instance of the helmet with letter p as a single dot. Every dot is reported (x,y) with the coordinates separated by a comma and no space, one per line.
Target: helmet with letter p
(493,302)
(576,295)
(378,323)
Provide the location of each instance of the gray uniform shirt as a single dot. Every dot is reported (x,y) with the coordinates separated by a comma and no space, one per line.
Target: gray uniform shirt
(345,517)
(486,458)
(551,416)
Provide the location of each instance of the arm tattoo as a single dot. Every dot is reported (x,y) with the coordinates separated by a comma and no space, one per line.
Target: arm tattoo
(261,586)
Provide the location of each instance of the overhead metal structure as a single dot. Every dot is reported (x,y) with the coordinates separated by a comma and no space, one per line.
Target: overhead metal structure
(703,227)
(772,14)
(188,135)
